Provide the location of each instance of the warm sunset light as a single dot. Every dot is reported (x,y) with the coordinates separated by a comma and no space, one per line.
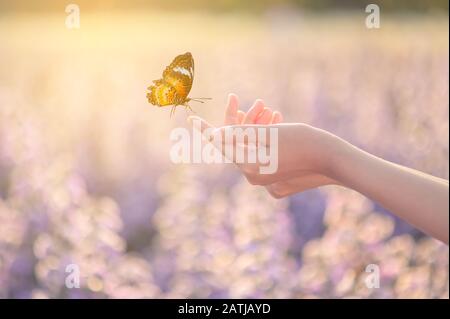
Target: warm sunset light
(94,205)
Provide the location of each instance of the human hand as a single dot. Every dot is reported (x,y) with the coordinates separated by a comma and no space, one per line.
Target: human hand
(309,157)
(299,168)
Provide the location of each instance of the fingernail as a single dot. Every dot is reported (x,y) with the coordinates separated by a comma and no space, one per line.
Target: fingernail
(230,98)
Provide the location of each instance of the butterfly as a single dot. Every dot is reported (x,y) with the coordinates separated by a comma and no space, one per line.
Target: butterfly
(175,84)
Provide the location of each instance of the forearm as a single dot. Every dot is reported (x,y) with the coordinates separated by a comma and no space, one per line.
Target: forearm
(418,198)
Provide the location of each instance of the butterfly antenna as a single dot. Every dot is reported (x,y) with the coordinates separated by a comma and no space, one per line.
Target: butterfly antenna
(199,99)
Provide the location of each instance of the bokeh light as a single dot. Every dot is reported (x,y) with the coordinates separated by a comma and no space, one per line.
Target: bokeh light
(86,177)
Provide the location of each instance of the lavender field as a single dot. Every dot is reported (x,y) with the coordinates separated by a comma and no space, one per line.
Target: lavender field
(86,177)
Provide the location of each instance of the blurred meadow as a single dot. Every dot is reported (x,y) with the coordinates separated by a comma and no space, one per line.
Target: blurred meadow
(85,173)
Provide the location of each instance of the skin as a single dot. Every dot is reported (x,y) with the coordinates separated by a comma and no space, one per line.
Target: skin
(309,157)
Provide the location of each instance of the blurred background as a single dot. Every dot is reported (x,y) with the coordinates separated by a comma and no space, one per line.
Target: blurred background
(85,173)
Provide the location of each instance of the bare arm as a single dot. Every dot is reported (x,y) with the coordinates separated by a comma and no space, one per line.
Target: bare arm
(418,198)
(309,157)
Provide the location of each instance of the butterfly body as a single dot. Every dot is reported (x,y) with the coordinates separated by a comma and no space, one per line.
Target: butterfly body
(175,85)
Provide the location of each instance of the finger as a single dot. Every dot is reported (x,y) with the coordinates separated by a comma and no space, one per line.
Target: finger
(265,108)
(241,116)
(244,134)
(276,118)
(298,184)
(231,113)
(265,117)
(253,172)
(235,143)
(200,124)
(253,112)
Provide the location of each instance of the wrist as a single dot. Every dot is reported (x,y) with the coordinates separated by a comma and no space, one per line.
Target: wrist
(341,155)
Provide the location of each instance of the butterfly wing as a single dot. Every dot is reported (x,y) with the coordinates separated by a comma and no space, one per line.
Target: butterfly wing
(180,75)
(161,93)
(176,83)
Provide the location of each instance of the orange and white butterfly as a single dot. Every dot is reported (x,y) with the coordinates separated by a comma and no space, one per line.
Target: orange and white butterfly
(175,84)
